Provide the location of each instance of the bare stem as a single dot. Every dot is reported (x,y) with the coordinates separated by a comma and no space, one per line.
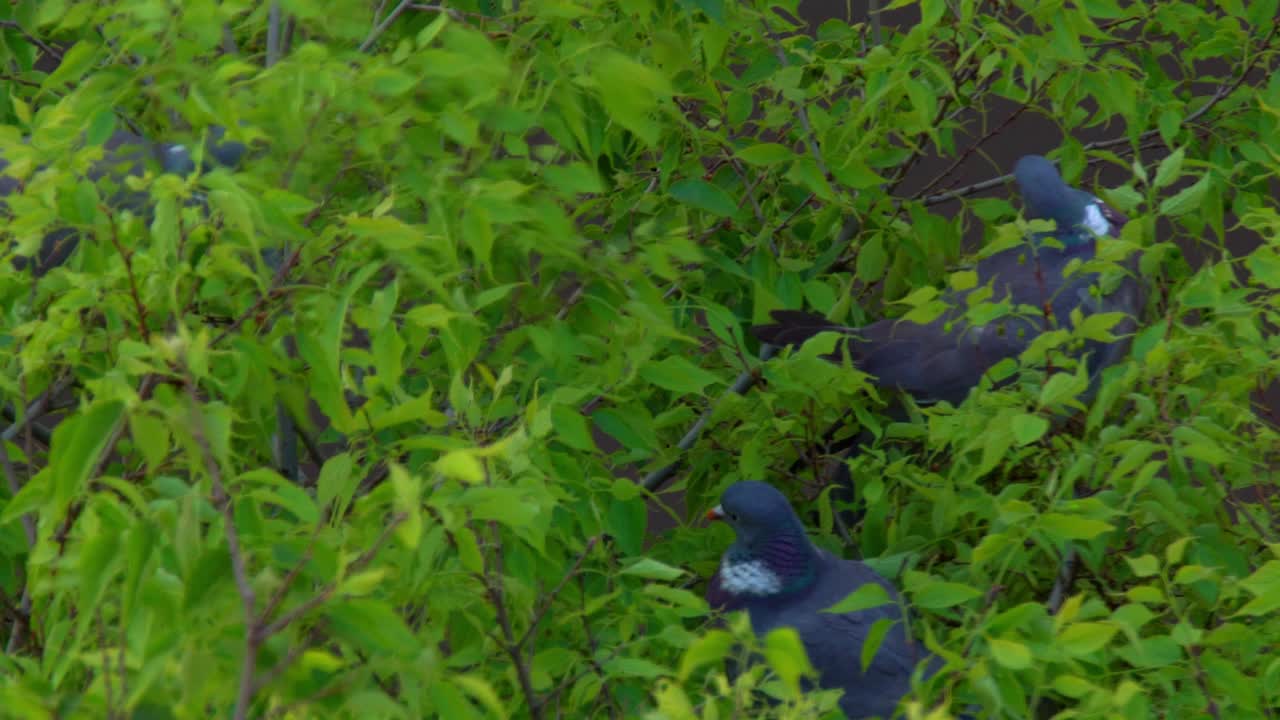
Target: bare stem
(222,501)
(381,27)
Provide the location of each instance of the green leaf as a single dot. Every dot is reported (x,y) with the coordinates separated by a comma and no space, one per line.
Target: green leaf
(704,196)
(765,154)
(937,595)
(78,443)
(1028,428)
(336,481)
(1186,200)
(407,491)
(872,642)
(854,173)
(151,435)
(509,506)
(786,655)
(479,688)
(432,315)
(629,430)
(1264,584)
(653,570)
(33,495)
(713,8)
(1170,169)
(1174,551)
(1072,527)
(1010,653)
(295,500)
(1264,265)
(1085,638)
(98,556)
(634,667)
(630,92)
(677,374)
(461,465)
(872,259)
(1144,566)
(468,550)
(868,596)
(705,650)
(626,521)
(373,626)
(1062,388)
(449,703)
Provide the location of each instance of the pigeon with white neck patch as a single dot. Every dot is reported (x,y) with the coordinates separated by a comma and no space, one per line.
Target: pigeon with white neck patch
(782,579)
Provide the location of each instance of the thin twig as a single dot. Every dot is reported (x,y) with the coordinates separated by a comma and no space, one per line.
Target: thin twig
(381,27)
(873,14)
(546,603)
(106,666)
(283,589)
(810,139)
(654,481)
(29,528)
(1218,96)
(1061,584)
(273,34)
(459,15)
(44,48)
(127,258)
(327,591)
(35,409)
(222,501)
(493,587)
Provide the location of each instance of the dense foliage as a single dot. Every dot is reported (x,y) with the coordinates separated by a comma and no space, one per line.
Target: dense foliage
(495,260)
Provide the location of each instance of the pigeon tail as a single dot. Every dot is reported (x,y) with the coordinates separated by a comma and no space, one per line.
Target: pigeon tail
(792,327)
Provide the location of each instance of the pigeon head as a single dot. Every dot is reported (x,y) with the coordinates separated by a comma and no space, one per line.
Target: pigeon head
(755,510)
(772,556)
(1046,196)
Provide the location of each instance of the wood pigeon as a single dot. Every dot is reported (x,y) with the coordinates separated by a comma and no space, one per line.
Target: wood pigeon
(782,579)
(946,358)
(127,154)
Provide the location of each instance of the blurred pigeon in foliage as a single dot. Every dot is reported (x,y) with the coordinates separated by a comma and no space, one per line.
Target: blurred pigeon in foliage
(127,154)
(945,358)
(782,579)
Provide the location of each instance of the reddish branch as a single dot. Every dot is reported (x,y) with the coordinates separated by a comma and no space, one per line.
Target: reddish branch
(127,257)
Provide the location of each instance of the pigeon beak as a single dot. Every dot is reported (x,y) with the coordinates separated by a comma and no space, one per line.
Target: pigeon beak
(715,513)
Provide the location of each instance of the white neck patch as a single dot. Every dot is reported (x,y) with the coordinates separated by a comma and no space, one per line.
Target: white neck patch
(749,578)
(1094,220)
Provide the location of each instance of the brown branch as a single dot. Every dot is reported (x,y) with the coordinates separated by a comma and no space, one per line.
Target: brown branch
(222,501)
(1212,706)
(22,613)
(493,572)
(381,27)
(1218,96)
(106,666)
(44,48)
(328,590)
(278,596)
(459,15)
(273,34)
(810,138)
(550,598)
(654,481)
(973,147)
(127,257)
(36,408)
